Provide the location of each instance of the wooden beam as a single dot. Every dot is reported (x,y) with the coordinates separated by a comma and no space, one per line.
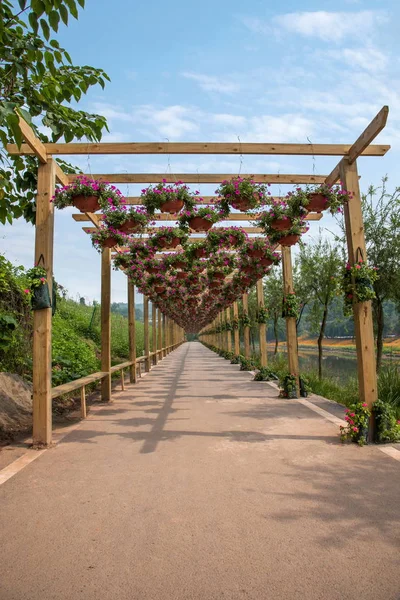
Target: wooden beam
(195,236)
(132,330)
(262,327)
(198,148)
(239,217)
(106,323)
(363,324)
(201,178)
(35,145)
(361,144)
(44,235)
(368,135)
(291,331)
(61,176)
(228,333)
(159,334)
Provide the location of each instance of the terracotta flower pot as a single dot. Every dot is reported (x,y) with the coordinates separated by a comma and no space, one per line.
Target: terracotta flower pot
(241,204)
(109,243)
(266,262)
(255,253)
(318,203)
(130,226)
(218,276)
(181,275)
(172,206)
(200,253)
(86,203)
(179,264)
(248,270)
(200,224)
(281,224)
(164,243)
(153,270)
(215,284)
(289,240)
(159,289)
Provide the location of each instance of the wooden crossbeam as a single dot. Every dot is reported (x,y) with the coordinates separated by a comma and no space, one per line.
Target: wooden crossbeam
(200,178)
(238,217)
(61,177)
(154,230)
(362,142)
(198,148)
(34,144)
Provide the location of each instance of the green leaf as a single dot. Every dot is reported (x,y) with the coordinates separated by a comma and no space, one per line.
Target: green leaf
(45,28)
(54,19)
(13,124)
(22,4)
(81,3)
(72,8)
(25,115)
(64,14)
(38,7)
(33,22)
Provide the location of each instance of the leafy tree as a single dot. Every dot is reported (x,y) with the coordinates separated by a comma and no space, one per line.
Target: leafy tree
(381,213)
(319,265)
(38,82)
(273,295)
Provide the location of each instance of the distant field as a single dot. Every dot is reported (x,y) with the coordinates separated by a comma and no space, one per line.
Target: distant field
(390,345)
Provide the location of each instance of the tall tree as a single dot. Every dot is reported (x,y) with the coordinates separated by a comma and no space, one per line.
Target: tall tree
(381,213)
(38,82)
(319,265)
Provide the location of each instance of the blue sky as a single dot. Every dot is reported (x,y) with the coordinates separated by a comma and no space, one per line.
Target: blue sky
(222,70)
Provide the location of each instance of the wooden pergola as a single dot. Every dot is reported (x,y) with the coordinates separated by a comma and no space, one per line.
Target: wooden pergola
(167,335)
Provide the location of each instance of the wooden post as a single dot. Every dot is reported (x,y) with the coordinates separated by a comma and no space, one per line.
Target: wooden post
(262,327)
(363,324)
(132,330)
(246,328)
(106,323)
(236,339)
(42,417)
(83,402)
(164,335)
(122,380)
(146,333)
(154,331)
(228,333)
(159,338)
(291,332)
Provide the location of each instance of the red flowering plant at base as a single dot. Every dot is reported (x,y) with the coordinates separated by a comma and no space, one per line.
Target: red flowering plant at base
(88,195)
(241,193)
(356,430)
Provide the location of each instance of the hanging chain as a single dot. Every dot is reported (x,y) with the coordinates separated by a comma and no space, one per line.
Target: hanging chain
(240,156)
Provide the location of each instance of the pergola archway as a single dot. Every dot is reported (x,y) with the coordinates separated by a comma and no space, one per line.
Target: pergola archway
(50,173)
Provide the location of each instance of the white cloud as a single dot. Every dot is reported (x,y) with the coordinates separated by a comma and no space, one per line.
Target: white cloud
(211,83)
(327,26)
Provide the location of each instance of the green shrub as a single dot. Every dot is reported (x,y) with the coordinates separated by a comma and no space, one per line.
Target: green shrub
(387,426)
(265,374)
(389,386)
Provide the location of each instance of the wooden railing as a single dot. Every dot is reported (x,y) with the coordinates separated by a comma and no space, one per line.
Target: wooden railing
(82,382)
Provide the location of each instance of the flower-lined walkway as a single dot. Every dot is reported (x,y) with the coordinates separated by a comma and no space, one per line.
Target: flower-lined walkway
(198,483)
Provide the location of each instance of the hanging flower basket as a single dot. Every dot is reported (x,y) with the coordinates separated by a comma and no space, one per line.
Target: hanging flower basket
(86,203)
(317,202)
(241,193)
(105,238)
(266,262)
(254,253)
(87,195)
(181,275)
(200,224)
(289,240)
(109,242)
(172,206)
(168,243)
(218,276)
(131,226)
(281,224)
(159,289)
(200,252)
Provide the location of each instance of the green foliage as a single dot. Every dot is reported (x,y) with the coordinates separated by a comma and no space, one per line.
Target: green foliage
(38,81)
(356,430)
(287,383)
(247,364)
(290,306)
(265,374)
(262,315)
(389,386)
(357,284)
(387,426)
(7,327)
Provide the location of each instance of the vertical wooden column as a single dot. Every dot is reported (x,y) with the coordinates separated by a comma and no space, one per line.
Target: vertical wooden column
(146,333)
(236,339)
(154,332)
(132,330)
(164,335)
(106,323)
(221,344)
(246,328)
(228,333)
(291,332)
(363,324)
(262,327)
(42,417)
(159,336)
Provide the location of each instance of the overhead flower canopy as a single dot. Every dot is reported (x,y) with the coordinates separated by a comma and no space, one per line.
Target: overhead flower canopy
(192,282)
